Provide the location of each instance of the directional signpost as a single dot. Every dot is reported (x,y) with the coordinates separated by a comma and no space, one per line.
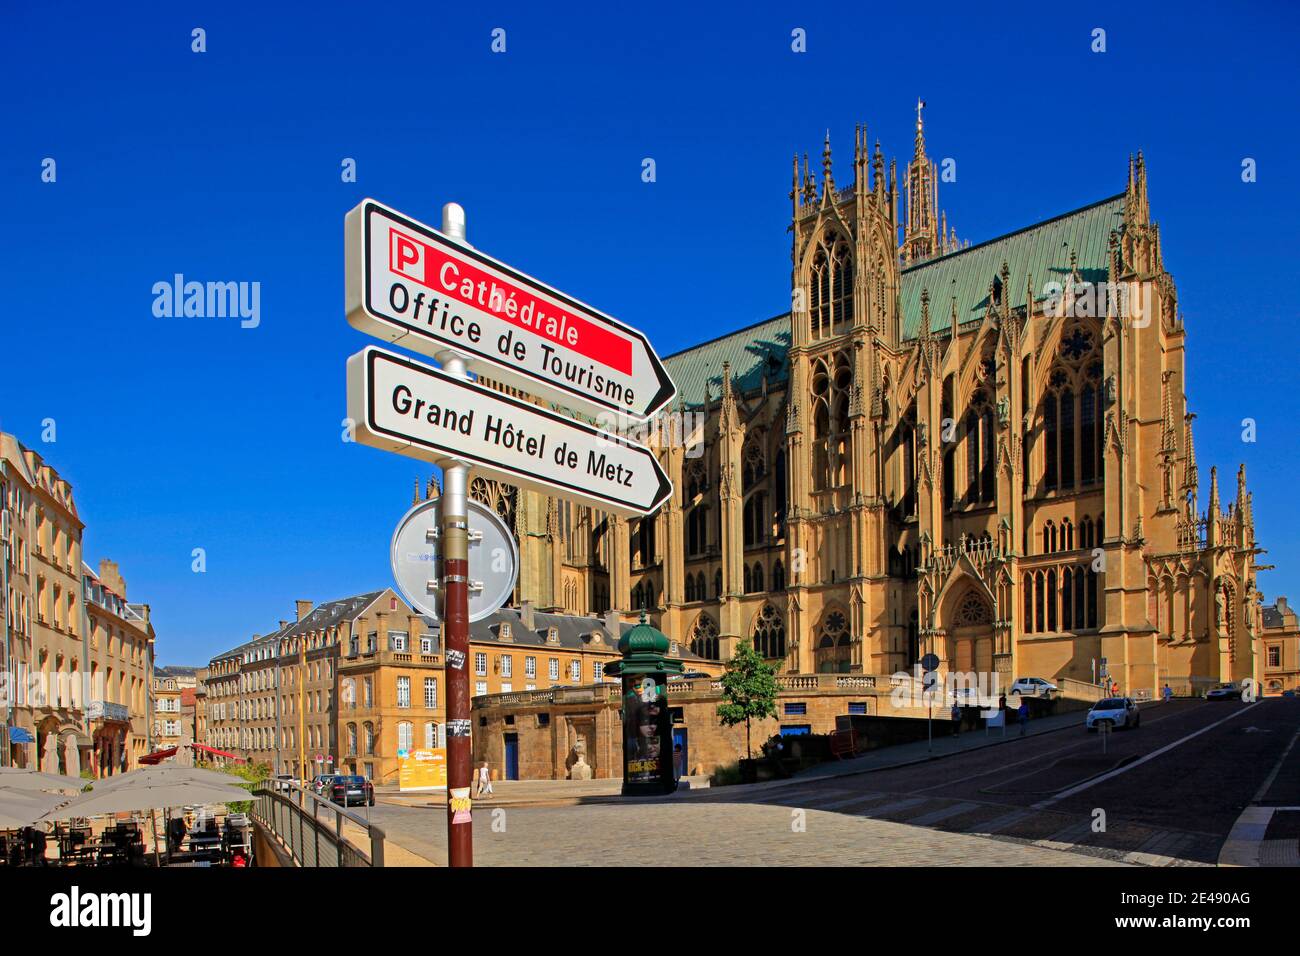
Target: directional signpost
(427,289)
(423,289)
(417,410)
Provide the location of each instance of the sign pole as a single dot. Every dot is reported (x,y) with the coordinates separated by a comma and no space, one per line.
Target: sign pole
(455,619)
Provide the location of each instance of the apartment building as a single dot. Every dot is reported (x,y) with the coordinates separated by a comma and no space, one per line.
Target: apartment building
(121,644)
(45,647)
(354,684)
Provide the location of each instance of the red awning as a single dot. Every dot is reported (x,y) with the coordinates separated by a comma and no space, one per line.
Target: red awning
(216,753)
(158,756)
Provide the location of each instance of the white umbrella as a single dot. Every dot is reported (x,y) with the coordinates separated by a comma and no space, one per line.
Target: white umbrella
(22,809)
(20,778)
(72,756)
(128,799)
(160,776)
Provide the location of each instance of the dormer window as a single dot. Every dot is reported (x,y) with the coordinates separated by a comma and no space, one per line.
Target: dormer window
(552,635)
(505,633)
(597,637)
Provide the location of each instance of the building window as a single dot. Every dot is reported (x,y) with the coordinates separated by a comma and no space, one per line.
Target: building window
(796,708)
(1275,656)
(769,633)
(405,735)
(428,645)
(507,665)
(575,670)
(403,692)
(857,707)
(554,668)
(430,735)
(480,664)
(530,667)
(431,693)
(352,740)
(480,688)
(598,670)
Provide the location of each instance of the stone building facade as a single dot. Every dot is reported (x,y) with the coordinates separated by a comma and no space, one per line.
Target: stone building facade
(1281,648)
(351,683)
(980,451)
(121,643)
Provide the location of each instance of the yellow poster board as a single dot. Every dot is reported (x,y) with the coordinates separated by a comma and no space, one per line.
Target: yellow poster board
(422,770)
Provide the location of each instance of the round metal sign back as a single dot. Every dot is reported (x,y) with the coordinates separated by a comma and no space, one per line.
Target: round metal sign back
(930,662)
(416,557)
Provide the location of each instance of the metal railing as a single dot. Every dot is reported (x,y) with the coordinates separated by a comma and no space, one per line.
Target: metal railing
(310,828)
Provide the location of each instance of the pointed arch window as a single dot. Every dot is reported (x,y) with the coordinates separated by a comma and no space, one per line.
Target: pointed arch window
(979,450)
(769,633)
(704,638)
(830,281)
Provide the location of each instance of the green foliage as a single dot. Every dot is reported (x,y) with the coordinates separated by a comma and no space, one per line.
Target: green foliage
(750,688)
(725,775)
(252,774)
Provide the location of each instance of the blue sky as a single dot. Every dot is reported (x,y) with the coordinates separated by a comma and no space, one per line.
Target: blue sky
(225,165)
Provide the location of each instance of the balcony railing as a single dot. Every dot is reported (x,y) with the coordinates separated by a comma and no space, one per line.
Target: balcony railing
(311,829)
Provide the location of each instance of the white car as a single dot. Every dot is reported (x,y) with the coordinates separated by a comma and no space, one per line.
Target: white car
(1033,687)
(1116,711)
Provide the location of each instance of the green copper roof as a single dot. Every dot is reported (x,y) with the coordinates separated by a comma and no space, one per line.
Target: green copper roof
(750,351)
(1041,252)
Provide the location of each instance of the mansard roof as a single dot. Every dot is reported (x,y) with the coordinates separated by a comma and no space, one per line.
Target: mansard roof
(1040,251)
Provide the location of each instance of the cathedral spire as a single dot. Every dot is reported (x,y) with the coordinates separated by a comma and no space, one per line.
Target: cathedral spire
(415,496)
(923,237)
(828,180)
(727,419)
(1191,474)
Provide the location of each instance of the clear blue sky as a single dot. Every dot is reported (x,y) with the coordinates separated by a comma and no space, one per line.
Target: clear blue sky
(185,433)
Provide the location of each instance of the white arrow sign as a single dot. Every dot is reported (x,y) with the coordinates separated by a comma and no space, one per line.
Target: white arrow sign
(413,409)
(411,284)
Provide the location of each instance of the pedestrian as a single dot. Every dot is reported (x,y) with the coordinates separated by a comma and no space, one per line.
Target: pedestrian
(1168,693)
(956,718)
(484,779)
(1022,715)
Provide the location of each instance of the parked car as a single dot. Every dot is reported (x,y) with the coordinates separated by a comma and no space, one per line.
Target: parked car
(321,782)
(1033,687)
(347,790)
(1224,692)
(1118,712)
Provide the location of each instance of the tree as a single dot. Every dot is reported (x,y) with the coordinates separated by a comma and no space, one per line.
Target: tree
(750,688)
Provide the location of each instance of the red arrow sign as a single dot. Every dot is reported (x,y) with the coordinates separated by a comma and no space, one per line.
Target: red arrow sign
(411,284)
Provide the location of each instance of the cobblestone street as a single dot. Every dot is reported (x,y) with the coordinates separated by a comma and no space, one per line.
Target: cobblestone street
(698,834)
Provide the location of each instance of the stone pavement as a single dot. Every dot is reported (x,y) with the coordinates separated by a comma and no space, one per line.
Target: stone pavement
(718,834)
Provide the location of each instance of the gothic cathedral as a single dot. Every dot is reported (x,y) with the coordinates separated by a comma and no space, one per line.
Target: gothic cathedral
(978,451)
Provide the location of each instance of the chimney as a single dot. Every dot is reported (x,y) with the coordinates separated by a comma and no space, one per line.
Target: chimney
(612,621)
(283,624)
(304,608)
(1281,604)
(526,615)
(112,577)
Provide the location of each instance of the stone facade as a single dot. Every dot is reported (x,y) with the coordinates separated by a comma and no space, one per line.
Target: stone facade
(1281,648)
(545,726)
(121,641)
(980,451)
(78,656)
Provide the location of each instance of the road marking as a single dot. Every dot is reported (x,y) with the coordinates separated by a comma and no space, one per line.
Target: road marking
(1262,791)
(947,784)
(1245,843)
(1042,804)
(930,819)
